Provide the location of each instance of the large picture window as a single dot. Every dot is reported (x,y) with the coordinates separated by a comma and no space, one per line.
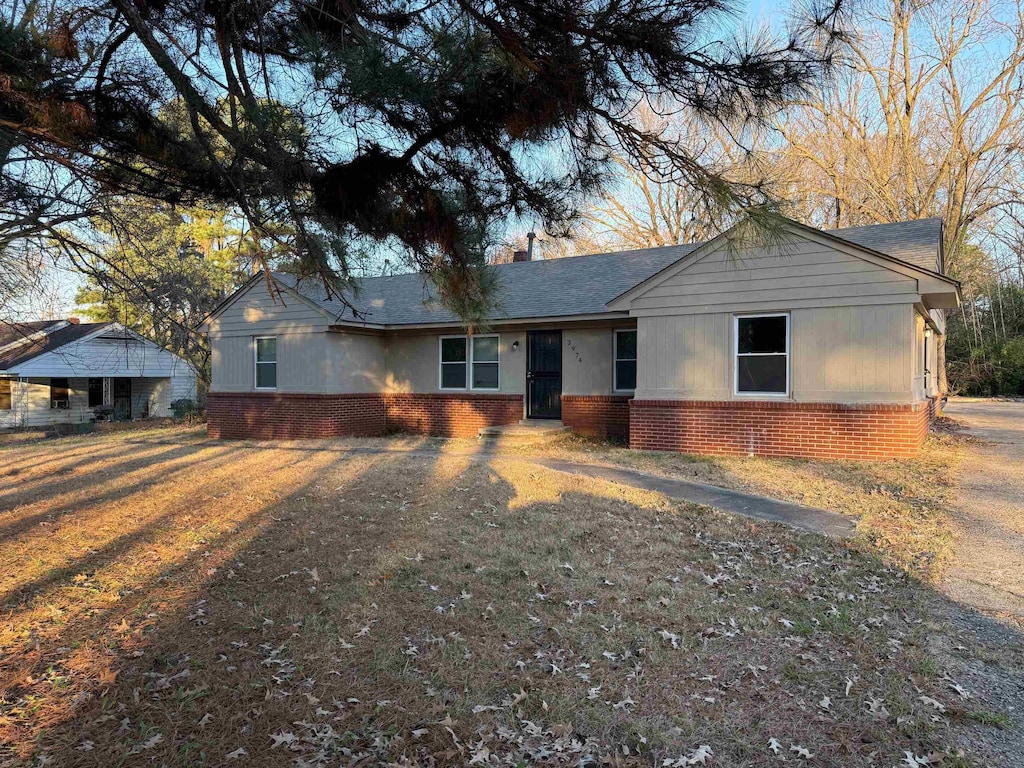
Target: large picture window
(485,362)
(59,397)
(266,362)
(469,362)
(454,362)
(625,361)
(762,354)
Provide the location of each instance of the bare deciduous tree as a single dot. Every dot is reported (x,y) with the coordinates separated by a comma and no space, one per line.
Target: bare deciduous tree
(651,207)
(927,119)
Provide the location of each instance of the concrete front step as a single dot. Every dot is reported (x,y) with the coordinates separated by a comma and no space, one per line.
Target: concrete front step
(526,432)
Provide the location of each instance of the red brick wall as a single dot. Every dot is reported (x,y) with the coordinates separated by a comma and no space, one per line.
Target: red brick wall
(811,430)
(597,415)
(275,416)
(450,414)
(272,415)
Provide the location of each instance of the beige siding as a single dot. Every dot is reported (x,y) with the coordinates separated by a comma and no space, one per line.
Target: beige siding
(588,361)
(837,354)
(354,363)
(852,354)
(257,313)
(798,274)
(311,362)
(413,363)
(686,356)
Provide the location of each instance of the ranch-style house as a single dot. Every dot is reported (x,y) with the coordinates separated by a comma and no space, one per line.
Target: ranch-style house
(819,344)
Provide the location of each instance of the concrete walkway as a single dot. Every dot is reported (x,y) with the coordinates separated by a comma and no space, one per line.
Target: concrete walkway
(795,515)
(989,520)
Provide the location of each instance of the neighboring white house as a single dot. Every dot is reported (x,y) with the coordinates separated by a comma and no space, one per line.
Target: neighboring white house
(59,371)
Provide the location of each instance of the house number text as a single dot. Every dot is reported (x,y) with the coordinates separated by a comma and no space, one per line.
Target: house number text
(579,357)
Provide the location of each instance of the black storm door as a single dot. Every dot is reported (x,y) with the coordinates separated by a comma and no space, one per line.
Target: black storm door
(544,375)
(121,399)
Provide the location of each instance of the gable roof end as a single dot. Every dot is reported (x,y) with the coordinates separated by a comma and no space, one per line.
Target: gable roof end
(844,239)
(37,345)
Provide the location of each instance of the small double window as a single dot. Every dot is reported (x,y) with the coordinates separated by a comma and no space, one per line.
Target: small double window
(469,362)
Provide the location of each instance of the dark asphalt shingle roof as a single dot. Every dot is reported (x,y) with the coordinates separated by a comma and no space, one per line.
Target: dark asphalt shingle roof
(30,348)
(579,285)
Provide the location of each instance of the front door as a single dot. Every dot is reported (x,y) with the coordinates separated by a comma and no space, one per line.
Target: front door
(544,375)
(121,399)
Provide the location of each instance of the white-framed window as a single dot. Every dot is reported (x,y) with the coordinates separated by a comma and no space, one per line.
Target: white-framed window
(762,354)
(484,359)
(454,359)
(265,362)
(625,360)
(468,362)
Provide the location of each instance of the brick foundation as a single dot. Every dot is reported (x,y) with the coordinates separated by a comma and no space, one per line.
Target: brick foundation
(278,416)
(807,430)
(274,416)
(449,414)
(597,415)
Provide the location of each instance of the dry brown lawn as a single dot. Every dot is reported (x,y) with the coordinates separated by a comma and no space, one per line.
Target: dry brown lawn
(169,600)
(902,507)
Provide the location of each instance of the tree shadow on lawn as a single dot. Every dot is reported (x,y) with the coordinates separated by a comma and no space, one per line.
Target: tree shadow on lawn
(440,609)
(87,488)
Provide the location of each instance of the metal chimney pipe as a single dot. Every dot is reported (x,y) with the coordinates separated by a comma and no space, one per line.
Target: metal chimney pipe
(530,236)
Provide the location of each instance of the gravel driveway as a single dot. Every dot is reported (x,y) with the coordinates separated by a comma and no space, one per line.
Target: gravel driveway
(989,521)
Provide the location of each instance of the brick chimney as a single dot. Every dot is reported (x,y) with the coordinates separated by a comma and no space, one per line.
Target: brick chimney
(520,256)
(74,320)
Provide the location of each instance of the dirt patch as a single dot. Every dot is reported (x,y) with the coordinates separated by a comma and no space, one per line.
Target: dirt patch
(188,602)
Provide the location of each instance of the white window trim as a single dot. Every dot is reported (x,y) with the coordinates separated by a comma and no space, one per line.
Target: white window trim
(736,354)
(256,363)
(440,363)
(615,357)
(468,386)
(472,360)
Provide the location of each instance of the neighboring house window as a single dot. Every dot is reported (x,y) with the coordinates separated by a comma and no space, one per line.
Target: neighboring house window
(453,362)
(762,354)
(485,362)
(5,394)
(625,361)
(59,393)
(95,393)
(266,362)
